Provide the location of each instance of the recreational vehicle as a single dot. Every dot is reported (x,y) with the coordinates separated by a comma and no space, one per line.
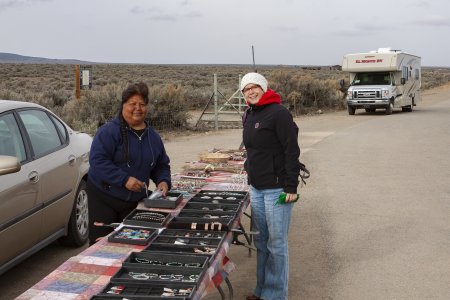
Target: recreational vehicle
(385,79)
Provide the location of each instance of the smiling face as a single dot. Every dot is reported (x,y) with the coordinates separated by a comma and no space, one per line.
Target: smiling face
(134,111)
(252,93)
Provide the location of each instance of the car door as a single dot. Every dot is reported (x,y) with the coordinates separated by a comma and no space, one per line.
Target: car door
(56,168)
(20,211)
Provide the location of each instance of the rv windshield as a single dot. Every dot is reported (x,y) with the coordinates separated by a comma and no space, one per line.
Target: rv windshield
(372,78)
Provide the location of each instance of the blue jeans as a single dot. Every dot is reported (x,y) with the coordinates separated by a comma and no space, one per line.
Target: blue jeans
(272,261)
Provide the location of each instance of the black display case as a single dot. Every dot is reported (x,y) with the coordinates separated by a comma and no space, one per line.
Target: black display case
(223,195)
(132,235)
(147,290)
(158,274)
(170,201)
(147,218)
(172,248)
(193,233)
(211,207)
(166,259)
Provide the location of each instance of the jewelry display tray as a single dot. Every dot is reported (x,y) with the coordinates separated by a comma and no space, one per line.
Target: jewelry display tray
(164,258)
(176,249)
(184,220)
(144,291)
(129,220)
(211,207)
(129,297)
(239,195)
(164,202)
(122,275)
(194,233)
(113,238)
(183,242)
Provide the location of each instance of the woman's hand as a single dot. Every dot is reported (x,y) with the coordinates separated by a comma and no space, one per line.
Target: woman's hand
(134,184)
(164,187)
(290,197)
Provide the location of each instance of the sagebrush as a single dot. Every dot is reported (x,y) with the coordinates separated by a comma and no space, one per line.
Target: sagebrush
(175,90)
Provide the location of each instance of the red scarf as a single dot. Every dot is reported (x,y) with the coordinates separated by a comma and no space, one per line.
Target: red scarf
(269,97)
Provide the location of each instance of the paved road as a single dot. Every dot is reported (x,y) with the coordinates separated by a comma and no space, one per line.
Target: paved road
(373,223)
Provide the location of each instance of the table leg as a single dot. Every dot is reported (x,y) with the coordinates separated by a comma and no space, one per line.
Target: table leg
(230,287)
(222,294)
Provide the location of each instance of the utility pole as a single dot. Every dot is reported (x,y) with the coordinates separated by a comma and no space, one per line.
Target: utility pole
(253,56)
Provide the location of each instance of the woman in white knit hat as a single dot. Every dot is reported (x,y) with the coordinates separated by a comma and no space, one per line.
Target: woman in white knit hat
(273,168)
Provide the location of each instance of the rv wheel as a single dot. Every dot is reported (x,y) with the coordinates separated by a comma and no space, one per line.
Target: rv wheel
(389,109)
(409,107)
(351,110)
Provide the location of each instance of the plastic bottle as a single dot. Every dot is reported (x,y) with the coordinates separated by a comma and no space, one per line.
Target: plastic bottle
(282,199)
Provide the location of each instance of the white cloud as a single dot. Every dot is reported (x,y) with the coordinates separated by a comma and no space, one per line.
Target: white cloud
(435,20)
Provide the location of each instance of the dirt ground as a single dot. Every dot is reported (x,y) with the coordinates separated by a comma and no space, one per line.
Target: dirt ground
(185,148)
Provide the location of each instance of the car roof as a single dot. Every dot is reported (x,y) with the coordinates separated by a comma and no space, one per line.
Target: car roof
(6,105)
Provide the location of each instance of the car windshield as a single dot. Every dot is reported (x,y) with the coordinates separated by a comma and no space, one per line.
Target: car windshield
(372,78)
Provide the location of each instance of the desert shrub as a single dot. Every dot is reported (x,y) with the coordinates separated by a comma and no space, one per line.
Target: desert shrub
(177,88)
(168,107)
(94,108)
(300,92)
(433,77)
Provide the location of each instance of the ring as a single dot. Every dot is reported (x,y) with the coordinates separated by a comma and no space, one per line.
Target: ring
(174,264)
(193,277)
(219,225)
(139,276)
(142,260)
(193,265)
(165,276)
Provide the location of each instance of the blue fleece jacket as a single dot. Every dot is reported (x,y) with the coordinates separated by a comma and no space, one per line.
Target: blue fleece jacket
(147,160)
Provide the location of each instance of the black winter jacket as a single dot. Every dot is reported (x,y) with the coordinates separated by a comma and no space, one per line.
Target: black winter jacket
(270,138)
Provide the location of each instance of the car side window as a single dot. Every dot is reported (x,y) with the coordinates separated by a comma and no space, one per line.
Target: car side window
(41,130)
(11,142)
(61,128)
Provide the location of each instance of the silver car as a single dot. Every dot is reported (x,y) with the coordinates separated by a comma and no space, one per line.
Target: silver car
(43,171)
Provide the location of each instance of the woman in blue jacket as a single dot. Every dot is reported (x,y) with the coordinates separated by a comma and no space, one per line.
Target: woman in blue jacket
(126,154)
(273,167)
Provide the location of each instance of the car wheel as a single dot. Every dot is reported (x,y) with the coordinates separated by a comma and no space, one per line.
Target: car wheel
(78,229)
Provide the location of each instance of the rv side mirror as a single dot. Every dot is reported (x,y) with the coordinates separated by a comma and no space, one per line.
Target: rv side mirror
(403,80)
(342,83)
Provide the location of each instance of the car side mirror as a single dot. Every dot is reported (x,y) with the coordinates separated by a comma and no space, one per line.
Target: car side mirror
(9,164)
(403,80)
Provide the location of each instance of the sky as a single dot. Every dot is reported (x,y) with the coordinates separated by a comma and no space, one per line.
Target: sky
(282,32)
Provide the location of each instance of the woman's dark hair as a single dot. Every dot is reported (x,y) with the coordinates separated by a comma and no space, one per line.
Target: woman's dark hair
(140,89)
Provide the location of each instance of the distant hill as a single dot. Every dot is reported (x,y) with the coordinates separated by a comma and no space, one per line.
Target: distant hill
(20,59)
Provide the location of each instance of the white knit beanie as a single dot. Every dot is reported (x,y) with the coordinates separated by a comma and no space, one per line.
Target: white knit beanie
(254,78)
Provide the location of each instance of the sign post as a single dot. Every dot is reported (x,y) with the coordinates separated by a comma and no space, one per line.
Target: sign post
(77,81)
(83,79)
